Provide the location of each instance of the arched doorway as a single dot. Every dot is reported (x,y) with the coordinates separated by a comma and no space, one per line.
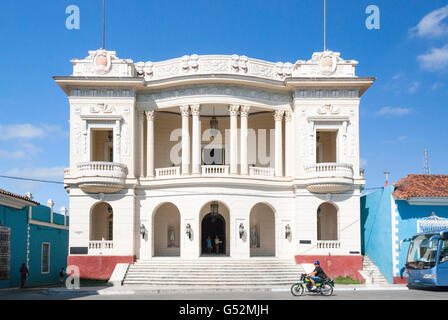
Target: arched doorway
(101,222)
(262,230)
(214,223)
(166,231)
(327,222)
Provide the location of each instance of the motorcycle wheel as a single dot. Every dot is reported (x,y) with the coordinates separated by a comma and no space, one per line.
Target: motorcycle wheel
(326,290)
(297,289)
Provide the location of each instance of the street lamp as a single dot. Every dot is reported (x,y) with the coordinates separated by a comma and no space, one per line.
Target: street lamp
(143,230)
(241,230)
(287,231)
(189,232)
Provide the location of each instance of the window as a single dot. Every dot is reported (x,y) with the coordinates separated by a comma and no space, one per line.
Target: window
(444,252)
(45,257)
(4,253)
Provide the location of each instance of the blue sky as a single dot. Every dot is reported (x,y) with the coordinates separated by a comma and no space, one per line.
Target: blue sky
(403,113)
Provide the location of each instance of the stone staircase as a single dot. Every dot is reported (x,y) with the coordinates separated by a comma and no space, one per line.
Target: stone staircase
(219,273)
(371,272)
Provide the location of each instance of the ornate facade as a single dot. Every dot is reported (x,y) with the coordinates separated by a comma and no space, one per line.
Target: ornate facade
(165,154)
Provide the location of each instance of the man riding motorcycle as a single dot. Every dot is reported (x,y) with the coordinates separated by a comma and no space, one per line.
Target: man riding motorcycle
(317,275)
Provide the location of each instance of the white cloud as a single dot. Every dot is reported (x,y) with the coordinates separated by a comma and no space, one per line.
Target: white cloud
(26,131)
(414,86)
(432,25)
(12,155)
(396,140)
(393,111)
(436,59)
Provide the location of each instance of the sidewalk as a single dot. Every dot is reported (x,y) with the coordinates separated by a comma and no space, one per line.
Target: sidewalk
(144,289)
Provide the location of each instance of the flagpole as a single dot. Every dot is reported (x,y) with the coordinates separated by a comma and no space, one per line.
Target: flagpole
(104,24)
(325,24)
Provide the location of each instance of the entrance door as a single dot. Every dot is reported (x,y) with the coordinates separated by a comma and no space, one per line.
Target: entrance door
(212,226)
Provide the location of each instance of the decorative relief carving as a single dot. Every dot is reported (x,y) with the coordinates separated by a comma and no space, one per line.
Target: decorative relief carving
(283,70)
(190,63)
(239,63)
(102,92)
(222,90)
(328,109)
(102,108)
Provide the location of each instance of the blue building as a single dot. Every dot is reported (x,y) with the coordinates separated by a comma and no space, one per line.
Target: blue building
(397,212)
(33,234)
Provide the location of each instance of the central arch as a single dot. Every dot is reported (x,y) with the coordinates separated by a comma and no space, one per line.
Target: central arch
(215,218)
(262,230)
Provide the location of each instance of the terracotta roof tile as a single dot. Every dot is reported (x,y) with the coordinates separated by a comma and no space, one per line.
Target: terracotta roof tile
(421,185)
(17,196)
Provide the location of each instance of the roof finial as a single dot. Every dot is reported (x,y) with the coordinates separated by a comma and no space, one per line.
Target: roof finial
(387,177)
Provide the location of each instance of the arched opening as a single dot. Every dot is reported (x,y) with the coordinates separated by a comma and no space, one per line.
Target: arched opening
(215,233)
(102,222)
(166,231)
(327,222)
(262,230)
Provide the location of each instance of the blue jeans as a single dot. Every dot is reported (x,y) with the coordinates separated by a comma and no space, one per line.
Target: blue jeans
(316,279)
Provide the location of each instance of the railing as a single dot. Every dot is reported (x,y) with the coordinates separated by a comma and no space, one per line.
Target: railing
(330,169)
(328,244)
(261,172)
(103,168)
(166,173)
(101,245)
(215,170)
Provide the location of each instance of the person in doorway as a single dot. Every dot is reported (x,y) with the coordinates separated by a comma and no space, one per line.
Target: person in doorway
(217,243)
(317,275)
(209,245)
(23,275)
(62,275)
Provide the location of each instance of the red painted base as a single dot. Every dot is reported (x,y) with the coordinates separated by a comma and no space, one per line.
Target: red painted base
(97,267)
(336,266)
(400,280)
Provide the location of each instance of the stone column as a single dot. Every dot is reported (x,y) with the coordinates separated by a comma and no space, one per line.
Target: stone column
(196,143)
(149,143)
(185,111)
(244,134)
(289,144)
(278,117)
(233,110)
(141,147)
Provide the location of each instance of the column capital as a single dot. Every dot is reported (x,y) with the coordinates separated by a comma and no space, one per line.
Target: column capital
(244,111)
(278,116)
(150,115)
(288,115)
(185,110)
(195,109)
(233,109)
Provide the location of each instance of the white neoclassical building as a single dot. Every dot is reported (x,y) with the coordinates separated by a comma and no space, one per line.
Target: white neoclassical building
(163,155)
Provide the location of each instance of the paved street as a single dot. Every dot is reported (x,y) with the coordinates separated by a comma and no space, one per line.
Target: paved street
(123,293)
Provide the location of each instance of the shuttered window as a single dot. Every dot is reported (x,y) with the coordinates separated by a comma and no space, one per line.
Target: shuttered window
(5,250)
(45,258)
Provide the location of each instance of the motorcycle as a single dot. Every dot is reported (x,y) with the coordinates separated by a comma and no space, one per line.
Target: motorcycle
(324,287)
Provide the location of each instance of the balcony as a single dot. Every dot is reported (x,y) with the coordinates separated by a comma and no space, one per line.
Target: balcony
(101,177)
(329,177)
(100,246)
